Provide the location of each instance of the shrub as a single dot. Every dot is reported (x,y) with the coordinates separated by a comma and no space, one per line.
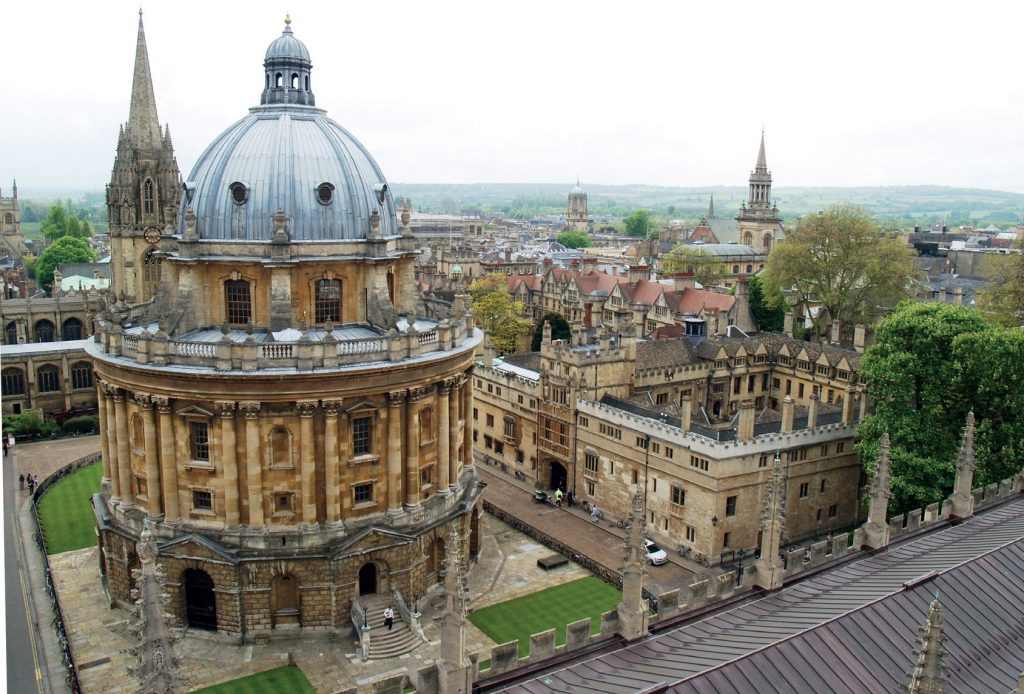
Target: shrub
(86,424)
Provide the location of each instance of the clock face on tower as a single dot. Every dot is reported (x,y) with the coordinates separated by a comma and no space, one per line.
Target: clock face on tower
(152,235)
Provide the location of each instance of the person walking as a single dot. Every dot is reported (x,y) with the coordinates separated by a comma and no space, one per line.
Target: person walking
(594,513)
(558,498)
(389,617)
(21,482)
(31,485)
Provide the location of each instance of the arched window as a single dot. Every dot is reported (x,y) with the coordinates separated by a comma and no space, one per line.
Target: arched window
(72,329)
(13,381)
(81,375)
(280,447)
(138,435)
(279,80)
(307,83)
(48,378)
(238,301)
(44,331)
(748,238)
(151,264)
(295,81)
(11,334)
(767,242)
(267,85)
(9,218)
(750,268)
(735,269)
(327,304)
(147,196)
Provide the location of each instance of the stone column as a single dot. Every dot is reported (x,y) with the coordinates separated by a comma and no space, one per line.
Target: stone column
(307,461)
(686,407)
(124,464)
(101,407)
(152,457)
(412,447)
(229,463)
(633,608)
(168,459)
(332,461)
(876,530)
(453,433)
(395,401)
(467,412)
(253,462)
(443,436)
(110,437)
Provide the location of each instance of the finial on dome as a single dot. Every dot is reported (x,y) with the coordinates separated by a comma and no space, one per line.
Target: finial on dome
(287,21)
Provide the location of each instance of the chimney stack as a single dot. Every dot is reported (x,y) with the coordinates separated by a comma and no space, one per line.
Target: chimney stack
(745,427)
(787,415)
(682,281)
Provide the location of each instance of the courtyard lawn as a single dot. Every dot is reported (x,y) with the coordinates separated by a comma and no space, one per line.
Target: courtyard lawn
(65,511)
(553,607)
(277,681)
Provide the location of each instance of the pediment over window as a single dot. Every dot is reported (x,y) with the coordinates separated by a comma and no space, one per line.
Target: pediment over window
(194,411)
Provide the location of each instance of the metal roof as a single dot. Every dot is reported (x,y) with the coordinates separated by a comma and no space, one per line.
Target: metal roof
(671,658)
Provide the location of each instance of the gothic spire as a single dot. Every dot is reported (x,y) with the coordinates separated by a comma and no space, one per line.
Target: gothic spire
(142,120)
(711,207)
(762,164)
(927,677)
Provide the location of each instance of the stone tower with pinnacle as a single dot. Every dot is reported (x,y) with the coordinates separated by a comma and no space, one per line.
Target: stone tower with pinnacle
(927,676)
(962,501)
(577,217)
(759,222)
(633,609)
(770,571)
(144,189)
(876,530)
(455,671)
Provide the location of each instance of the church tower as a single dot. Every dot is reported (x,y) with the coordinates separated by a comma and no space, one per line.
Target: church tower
(576,216)
(759,224)
(144,189)
(12,242)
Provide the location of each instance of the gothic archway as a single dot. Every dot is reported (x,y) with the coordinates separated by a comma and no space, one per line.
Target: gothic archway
(559,476)
(200,600)
(368,579)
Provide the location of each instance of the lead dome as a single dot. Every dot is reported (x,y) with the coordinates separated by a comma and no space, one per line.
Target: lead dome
(287,155)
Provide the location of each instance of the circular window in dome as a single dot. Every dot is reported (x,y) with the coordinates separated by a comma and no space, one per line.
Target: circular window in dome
(239,193)
(325,193)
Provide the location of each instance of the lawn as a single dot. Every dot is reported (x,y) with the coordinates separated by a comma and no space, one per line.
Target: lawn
(553,607)
(276,681)
(65,511)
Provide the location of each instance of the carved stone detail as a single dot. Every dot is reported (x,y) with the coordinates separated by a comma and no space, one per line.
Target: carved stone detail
(306,408)
(251,410)
(226,409)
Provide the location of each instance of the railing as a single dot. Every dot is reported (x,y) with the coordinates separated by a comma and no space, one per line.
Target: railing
(358,617)
(428,337)
(206,350)
(276,351)
(403,609)
(130,342)
(365,345)
(71,679)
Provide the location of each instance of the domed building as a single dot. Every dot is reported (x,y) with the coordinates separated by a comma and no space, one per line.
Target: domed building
(275,412)
(576,216)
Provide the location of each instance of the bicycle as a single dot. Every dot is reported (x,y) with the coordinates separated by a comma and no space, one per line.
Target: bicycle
(683,551)
(622,523)
(703,560)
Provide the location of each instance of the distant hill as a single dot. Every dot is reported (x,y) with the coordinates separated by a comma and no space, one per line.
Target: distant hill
(899,204)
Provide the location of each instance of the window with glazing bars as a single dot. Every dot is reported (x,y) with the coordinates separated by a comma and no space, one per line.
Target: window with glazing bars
(200,441)
(361,429)
(327,305)
(238,301)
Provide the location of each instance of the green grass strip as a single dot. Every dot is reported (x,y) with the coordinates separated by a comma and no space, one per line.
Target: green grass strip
(550,608)
(65,511)
(277,681)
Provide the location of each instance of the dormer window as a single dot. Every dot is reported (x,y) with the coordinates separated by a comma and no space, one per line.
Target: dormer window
(325,193)
(239,193)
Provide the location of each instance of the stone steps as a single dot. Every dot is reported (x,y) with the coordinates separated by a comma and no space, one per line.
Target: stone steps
(383,643)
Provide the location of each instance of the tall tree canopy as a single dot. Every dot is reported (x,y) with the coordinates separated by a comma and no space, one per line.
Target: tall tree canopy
(706,268)
(59,222)
(560,330)
(573,239)
(841,258)
(930,365)
(1002,297)
(67,249)
(638,223)
(497,313)
(770,313)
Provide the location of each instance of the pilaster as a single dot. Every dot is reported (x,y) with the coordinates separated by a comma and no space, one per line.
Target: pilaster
(124,465)
(110,436)
(307,460)
(168,459)
(153,494)
(253,467)
(229,463)
(395,401)
(332,461)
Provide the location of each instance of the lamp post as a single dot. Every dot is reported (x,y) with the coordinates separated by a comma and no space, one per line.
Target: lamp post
(739,568)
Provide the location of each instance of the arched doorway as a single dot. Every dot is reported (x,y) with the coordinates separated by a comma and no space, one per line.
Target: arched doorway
(285,597)
(200,600)
(559,477)
(368,579)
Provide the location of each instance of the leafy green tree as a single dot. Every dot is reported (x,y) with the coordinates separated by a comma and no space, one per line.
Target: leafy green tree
(55,224)
(706,268)
(67,249)
(638,223)
(491,282)
(770,314)
(560,330)
(915,381)
(841,258)
(501,319)
(1001,299)
(573,239)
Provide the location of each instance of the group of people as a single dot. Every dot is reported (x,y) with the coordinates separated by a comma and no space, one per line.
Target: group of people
(560,495)
(32,482)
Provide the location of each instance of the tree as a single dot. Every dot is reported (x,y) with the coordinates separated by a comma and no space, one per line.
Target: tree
(560,330)
(573,239)
(491,282)
(706,268)
(1001,299)
(930,365)
(840,258)
(67,249)
(59,222)
(638,223)
(770,314)
(500,318)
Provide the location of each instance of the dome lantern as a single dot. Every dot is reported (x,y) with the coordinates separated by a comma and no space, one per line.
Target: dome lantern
(287,70)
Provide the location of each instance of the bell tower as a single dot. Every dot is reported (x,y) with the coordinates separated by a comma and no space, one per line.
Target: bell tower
(759,224)
(144,189)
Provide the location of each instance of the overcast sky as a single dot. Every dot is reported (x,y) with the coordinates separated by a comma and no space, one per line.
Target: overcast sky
(673,93)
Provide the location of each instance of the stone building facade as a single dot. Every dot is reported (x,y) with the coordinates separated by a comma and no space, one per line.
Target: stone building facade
(693,421)
(49,378)
(577,218)
(12,243)
(291,433)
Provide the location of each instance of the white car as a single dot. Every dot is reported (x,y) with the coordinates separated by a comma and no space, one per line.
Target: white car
(655,554)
